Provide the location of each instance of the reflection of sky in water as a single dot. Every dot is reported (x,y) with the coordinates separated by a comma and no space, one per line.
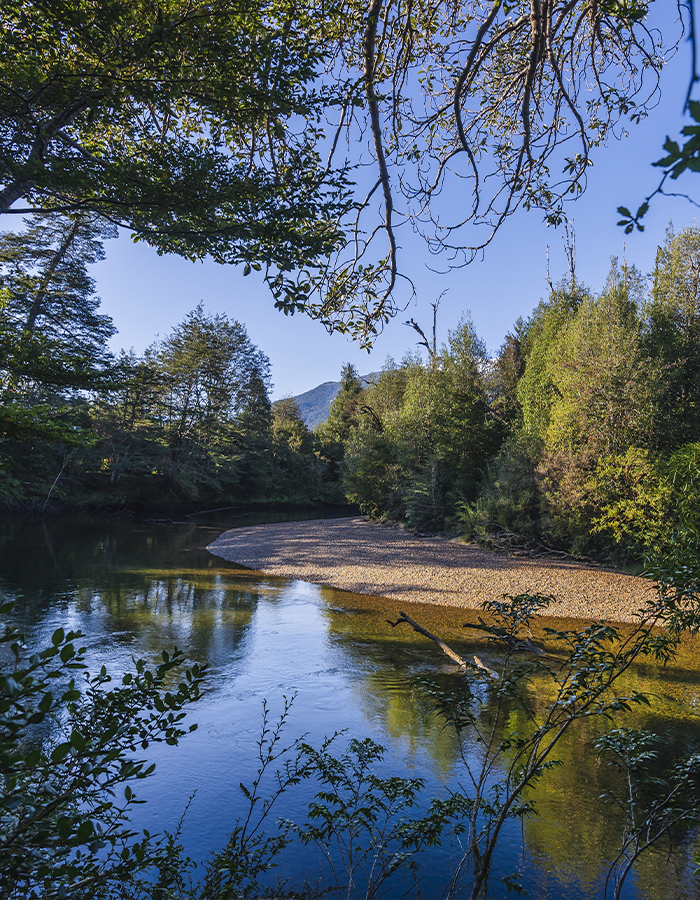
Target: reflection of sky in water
(135,589)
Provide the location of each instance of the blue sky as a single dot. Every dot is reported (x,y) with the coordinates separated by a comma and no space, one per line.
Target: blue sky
(147,295)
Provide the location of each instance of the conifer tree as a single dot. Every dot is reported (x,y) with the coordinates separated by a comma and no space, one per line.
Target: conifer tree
(53,348)
(52,331)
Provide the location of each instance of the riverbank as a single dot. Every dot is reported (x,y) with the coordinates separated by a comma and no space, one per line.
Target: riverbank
(382,560)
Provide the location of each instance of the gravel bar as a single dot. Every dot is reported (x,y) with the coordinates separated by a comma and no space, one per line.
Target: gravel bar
(385,561)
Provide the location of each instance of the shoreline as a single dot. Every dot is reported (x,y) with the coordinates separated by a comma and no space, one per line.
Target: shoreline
(362,557)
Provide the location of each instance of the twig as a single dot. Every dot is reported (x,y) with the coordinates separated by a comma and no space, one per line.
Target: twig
(55,482)
(203,512)
(512,641)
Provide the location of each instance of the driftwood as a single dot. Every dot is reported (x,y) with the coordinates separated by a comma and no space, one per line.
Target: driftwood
(448,651)
(521,545)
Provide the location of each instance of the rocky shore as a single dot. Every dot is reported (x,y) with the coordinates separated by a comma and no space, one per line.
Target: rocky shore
(379,560)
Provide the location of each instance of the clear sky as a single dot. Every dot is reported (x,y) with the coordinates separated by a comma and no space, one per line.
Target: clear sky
(147,295)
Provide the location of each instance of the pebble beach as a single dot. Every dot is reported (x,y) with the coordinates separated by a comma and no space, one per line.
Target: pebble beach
(364,557)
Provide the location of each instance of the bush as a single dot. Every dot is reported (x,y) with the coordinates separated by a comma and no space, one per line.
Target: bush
(67,745)
(509,501)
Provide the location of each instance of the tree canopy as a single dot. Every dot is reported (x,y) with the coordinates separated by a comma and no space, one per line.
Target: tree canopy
(183,121)
(233,129)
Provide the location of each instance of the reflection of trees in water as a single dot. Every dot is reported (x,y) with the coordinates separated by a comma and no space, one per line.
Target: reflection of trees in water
(206,615)
(576,832)
(42,554)
(661,875)
(385,671)
(573,831)
(575,835)
(139,586)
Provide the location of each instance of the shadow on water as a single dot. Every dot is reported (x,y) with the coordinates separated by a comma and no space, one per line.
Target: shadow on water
(135,588)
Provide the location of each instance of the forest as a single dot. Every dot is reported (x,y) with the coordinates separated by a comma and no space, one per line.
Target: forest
(296,142)
(580,435)
(190,421)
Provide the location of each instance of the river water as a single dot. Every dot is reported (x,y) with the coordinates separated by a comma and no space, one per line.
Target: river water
(136,588)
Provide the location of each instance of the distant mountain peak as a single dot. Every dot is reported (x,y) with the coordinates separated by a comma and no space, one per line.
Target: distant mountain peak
(314,405)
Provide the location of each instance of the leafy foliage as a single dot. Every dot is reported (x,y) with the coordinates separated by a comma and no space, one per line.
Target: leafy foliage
(174,119)
(53,341)
(423,437)
(68,746)
(203,127)
(361,823)
(679,158)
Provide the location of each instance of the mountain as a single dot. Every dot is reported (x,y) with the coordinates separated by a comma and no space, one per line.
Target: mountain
(315,404)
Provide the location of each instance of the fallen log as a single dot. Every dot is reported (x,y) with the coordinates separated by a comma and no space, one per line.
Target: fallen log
(448,651)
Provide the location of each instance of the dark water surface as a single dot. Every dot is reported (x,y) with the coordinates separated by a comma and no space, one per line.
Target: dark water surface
(137,588)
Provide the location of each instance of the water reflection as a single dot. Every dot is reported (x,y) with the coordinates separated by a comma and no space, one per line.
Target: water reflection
(135,588)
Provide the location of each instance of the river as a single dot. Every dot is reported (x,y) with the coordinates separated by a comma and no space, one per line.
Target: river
(135,588)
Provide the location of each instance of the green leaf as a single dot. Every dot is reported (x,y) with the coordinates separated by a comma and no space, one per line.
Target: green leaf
(672,147)
(64,827)
(33,758)
(85,830)
(60,752)
(57,637)
(44,704)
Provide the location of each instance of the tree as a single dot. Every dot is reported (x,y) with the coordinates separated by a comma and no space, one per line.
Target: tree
(599,371)
(672,339)
(343,416)
(441,435)
(502,378)
(297,470)
(600,377)
(53,348)
(213,383)
(122,420)
(211,373)
(465,426)
(536,390)
(648,501)
(503,102)
(52,331)
(179,120)
(288,427)
(415,438)
(201,126)
(422,441)
(371,474)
